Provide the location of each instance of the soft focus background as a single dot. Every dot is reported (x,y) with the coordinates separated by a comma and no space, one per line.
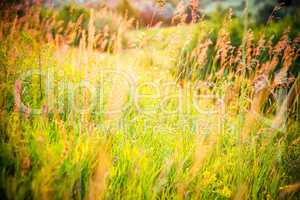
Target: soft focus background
(165,99)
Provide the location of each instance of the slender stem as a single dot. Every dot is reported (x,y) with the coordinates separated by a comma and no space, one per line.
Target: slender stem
(245,32)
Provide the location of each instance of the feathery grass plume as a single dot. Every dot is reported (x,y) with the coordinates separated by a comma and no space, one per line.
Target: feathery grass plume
(246,24)
(86,53)
(18,102)
(223,45)
(104,42)
(161,3)
(185,61)
(18,90)
(180,15)
(249,50)
(124,24)
(91,31)
(261,93)
(263,85)
(289,56)
(282,43)
(269,66)
(238,60)
(258,50)
(69,33)
(194,5)
(291,97)
(14,27)
(260,46)
(200,52)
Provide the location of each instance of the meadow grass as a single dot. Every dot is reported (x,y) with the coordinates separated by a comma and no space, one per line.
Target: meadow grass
(195,122)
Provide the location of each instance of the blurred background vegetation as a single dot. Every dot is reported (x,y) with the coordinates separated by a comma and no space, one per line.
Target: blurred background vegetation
(259,11)
(147,13)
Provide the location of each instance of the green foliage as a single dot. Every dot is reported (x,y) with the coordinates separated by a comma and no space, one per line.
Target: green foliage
(71,13)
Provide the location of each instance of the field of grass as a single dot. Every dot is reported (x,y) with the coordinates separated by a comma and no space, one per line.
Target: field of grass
(193,111)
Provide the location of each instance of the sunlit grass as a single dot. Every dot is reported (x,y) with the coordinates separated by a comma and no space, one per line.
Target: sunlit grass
(173,136)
